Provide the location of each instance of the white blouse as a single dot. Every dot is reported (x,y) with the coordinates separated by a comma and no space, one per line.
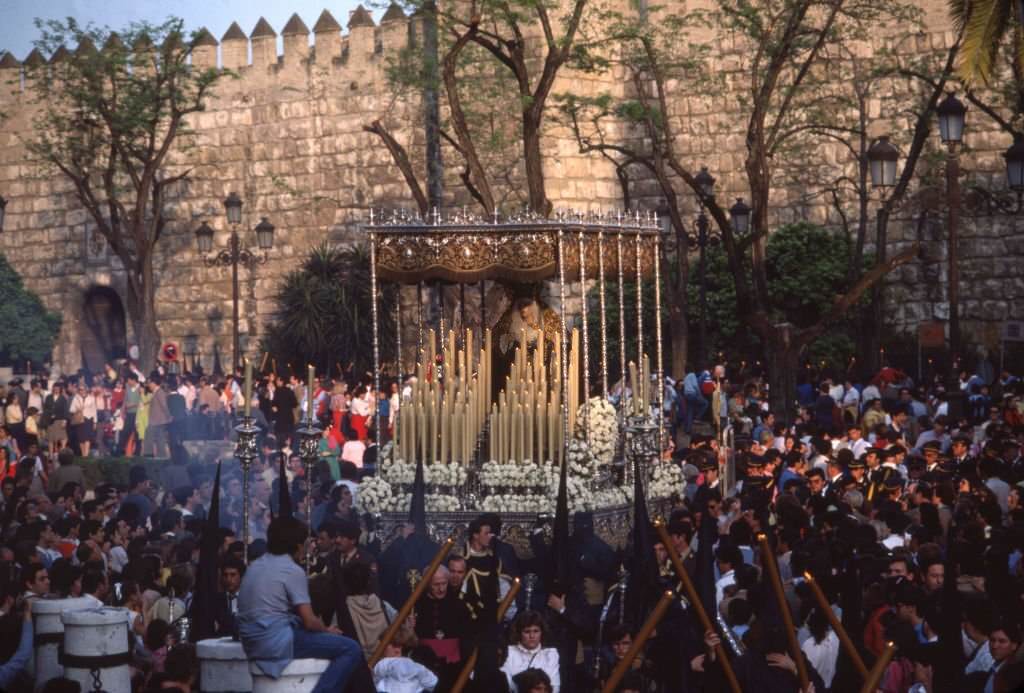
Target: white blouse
(544,658)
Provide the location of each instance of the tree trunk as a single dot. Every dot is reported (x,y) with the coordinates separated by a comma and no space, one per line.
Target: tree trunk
(432,108)
(678,310)
(679,333)
(783,355)
(141,308)
(534,164)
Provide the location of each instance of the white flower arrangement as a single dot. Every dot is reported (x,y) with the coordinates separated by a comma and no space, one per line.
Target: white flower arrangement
(440,502)
(398,472)
(582,462)
(400,502)
(374,495)
(603,425)
(452,474)
(666,479)
(514,475)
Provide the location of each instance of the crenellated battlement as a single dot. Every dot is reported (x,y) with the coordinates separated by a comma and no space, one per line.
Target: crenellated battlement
(352,52)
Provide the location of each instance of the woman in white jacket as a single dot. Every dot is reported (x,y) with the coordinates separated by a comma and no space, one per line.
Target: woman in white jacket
(527,652)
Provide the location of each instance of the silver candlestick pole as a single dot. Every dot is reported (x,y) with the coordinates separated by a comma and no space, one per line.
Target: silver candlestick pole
(309,450)
(246,451)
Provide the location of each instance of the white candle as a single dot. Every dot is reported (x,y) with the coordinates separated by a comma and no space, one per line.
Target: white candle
(247,390)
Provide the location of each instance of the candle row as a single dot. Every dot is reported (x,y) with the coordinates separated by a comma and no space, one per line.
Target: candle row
(442,421)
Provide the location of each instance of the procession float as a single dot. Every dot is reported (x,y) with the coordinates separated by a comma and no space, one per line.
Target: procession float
(494,409)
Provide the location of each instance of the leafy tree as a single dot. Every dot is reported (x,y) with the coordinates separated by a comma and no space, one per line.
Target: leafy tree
(29,329)
(108,121)
(487,67)
(806,263)
(786,55)
(323,312)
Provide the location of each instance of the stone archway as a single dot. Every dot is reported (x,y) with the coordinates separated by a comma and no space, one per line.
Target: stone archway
(104,333)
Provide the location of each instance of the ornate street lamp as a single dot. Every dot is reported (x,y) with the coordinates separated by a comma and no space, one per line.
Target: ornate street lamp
(739,215)
(951,114)
(882,159)
(705,183)
(265,234)
(235,255)
(204,238)
(233,208)
(1014,167)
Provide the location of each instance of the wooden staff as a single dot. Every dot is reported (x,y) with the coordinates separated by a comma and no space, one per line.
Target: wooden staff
(844,637)
(695,602)
(877,671)
(768,563)
(263,362)
(638,642)
(421,587)
(470,664)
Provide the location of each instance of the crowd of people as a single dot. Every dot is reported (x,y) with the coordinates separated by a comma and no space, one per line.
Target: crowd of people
(901,500)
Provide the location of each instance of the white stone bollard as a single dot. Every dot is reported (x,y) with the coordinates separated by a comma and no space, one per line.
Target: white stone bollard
(300,676)
(98,643)
(49,636)
(223,666)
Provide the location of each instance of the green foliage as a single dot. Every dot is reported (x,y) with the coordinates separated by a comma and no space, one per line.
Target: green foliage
(612,327)
(107,116)
(113,101)
(324,312)
(987,24)
(806,268)
(29,329)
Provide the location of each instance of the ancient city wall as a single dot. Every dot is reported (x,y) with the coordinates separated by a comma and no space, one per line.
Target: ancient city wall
(287,135)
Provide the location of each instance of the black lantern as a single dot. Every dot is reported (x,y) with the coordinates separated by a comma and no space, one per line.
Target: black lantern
(233,206)
(3,207)
(739,215)
(882,158)
(705,182)
(664,218)
(204,238)
(265,234)
(1014,166)
(951,119)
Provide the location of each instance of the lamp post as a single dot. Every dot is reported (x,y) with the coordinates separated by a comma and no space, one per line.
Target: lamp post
(3,212)
(882,159)
(951,113)
(235,255)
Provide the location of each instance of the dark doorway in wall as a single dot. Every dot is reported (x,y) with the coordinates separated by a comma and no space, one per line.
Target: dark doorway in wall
(104,336)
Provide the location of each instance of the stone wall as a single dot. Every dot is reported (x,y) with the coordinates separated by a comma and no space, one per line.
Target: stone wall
(287,136)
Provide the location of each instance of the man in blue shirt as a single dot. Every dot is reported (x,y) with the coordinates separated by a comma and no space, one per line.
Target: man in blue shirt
(275,619)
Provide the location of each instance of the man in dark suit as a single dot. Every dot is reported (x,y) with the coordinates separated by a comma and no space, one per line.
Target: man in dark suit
(282,407)
(226,603)
(347,550)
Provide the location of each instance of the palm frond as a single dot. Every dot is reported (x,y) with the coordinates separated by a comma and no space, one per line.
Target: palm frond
(988,21)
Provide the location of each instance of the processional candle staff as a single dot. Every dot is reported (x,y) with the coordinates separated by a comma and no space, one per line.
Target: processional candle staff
(246,452)
(309,449)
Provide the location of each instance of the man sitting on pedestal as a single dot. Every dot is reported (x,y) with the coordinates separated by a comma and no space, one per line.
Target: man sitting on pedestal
(275,620)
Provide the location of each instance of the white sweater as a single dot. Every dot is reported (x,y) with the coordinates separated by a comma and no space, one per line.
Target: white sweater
(544,658)
(402,675)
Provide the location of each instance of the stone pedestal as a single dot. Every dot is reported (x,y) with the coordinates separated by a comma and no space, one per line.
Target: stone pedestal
(49,636)
(223,666)
(97,648)
(300,676)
